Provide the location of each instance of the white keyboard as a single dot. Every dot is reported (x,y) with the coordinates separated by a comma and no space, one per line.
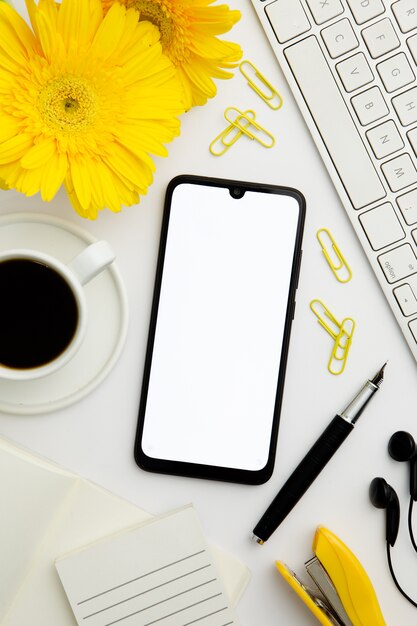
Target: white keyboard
(352,66)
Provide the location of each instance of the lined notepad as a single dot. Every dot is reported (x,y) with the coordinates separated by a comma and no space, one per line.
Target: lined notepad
(48,512)
(161,572)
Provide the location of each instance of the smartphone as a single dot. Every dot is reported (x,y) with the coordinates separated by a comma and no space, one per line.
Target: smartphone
(219,333)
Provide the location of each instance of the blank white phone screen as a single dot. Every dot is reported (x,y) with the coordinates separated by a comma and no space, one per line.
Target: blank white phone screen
(220,325)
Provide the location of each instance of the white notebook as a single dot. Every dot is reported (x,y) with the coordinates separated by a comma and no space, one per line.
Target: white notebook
(48,512)
(159,572)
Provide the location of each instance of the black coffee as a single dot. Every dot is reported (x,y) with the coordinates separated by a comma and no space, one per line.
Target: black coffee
(38,314)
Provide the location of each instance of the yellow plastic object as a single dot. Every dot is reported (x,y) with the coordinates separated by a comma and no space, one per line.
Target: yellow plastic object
(349,578)
(250,128)
(304,593)
(330,249)
(230,135)
(261,85)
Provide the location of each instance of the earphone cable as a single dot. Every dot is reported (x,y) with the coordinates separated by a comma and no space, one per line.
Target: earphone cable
(395,579)
(410,526)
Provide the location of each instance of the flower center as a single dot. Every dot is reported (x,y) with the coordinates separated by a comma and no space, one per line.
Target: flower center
(169,20)
(67,104)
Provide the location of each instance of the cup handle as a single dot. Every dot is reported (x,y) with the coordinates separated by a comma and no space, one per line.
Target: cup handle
(91,261)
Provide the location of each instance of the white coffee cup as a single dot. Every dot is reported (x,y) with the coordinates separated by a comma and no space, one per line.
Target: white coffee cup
(73,276)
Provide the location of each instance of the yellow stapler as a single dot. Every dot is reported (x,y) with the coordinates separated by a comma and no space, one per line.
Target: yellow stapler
(344,595)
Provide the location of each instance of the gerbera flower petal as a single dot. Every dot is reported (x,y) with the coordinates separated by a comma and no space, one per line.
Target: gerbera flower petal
(8,128)
(53,175)
(75,95)
(38,155)
(14,148)
(69,187)
(82,18)
(203,82)
(188,31)
(81,181)
(206,48)
(110,33)
(25,181)
(121,160)
(104,179)
(15,34)
(143,139)
(217,21)
(47,16)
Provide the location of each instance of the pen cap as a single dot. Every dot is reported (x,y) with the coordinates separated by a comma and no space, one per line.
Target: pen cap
(349,578)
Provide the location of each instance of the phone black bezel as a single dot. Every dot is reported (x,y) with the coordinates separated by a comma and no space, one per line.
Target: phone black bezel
(195,470)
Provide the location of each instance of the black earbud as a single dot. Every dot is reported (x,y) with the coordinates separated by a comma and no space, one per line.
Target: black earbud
(402,447)
(383,496)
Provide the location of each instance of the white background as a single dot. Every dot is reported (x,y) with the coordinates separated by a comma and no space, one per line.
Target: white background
(95,436)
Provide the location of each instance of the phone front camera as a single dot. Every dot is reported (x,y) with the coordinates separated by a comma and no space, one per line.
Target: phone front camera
(236,192)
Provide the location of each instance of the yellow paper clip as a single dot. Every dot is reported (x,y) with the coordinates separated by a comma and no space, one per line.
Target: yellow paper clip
(339,266)
(343,339)
(256,131)
(261,85)
(230,135)
(340,351)
(321,312)
(341,333)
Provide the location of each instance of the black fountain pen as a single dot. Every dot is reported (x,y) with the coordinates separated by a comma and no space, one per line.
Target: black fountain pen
(315,460)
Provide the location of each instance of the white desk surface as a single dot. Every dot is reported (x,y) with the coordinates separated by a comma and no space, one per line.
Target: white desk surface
(95,436)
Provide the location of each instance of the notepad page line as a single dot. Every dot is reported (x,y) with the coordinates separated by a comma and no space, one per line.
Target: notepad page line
(158,574)
(208,615)
(150,606)
(216,595)
(194,571)
(159,569)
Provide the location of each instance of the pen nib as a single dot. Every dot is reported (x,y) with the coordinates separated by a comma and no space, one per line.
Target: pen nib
(379,377)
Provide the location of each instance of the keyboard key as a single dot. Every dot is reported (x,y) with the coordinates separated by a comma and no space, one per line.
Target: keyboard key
(405,12)
(406,106)
(339,38)
(408,206)
(406,299)
(382,226)
(364,10)
(324,10)
(395,72)
(337,130)
(385,139)
(364,158)
(380,38)
(412,281)
(398,263)
(288,19)
(355,72)
(400,172)
(412,136)
(370,106)
(413,328)
(412,44)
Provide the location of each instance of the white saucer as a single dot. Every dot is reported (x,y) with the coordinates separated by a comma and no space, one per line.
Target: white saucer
(107,322)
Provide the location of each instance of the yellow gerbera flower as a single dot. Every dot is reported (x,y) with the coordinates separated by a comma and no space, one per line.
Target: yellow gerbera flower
(188,35)
(83,101)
